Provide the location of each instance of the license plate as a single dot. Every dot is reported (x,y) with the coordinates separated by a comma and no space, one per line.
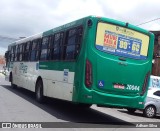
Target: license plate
(119,86)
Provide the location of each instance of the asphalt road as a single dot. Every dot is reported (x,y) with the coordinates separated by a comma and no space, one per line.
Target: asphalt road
(19,105)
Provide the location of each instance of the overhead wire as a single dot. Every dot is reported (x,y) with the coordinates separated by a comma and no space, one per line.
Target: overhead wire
(148,21)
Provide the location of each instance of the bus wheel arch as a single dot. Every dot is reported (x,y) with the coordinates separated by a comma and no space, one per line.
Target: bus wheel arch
(10,76)
(39,90)
(11,80)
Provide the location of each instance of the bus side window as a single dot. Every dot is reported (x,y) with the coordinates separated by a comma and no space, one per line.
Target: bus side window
(50,48)
(33,50)
(44,47)
(20,52)
(38,49)
(12,53)
(73,42)
(57,47)
(7,58)
(23,51)
(27,51)
(16,53)
(69,46)
(78,41)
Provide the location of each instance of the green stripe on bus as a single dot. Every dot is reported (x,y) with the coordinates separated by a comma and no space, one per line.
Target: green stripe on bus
(56,65)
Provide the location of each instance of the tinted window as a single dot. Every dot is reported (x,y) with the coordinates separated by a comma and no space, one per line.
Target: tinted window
(157,93)
(20,48)
(26,51)
(34,50)
(70,52)
(12,53)
(50,48)
(38,49)
(73,42)
(34,45)
(45,42)
(33,55)
(57,47)
(43,54)
(20,54)
(27,46)
(12,57)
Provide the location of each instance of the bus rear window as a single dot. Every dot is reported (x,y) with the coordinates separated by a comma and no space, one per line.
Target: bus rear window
(121,41)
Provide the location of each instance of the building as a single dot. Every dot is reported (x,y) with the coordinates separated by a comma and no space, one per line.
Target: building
(2,60)
(156,56)
(2,63)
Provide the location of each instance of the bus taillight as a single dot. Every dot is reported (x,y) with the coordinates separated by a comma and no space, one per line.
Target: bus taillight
(88,74)
(145,84)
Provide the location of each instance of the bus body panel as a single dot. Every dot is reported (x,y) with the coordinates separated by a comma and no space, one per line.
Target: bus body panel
(59,78)
(115,76)
(114,82)
(24,75)
(56,86)
(55,83)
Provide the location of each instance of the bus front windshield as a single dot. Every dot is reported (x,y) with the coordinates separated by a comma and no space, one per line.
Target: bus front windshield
(121,41)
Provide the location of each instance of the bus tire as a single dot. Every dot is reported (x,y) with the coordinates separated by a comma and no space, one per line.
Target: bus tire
(131,110)
(39,91)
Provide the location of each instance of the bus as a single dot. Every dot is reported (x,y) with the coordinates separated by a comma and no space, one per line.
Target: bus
(93,60)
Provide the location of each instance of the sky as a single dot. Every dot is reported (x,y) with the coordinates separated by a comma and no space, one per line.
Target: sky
(22,18)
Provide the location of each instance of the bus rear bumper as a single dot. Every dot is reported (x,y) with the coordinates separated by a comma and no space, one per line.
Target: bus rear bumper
(112,100)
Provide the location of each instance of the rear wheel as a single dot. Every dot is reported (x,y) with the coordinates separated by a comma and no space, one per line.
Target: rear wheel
(131,110)
(39,91)
(149,111)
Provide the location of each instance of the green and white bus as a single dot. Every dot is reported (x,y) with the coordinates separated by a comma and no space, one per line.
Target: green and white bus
(93,60)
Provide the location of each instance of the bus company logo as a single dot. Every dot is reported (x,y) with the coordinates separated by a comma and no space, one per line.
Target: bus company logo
(23,67)
(117,28)
(124,31)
